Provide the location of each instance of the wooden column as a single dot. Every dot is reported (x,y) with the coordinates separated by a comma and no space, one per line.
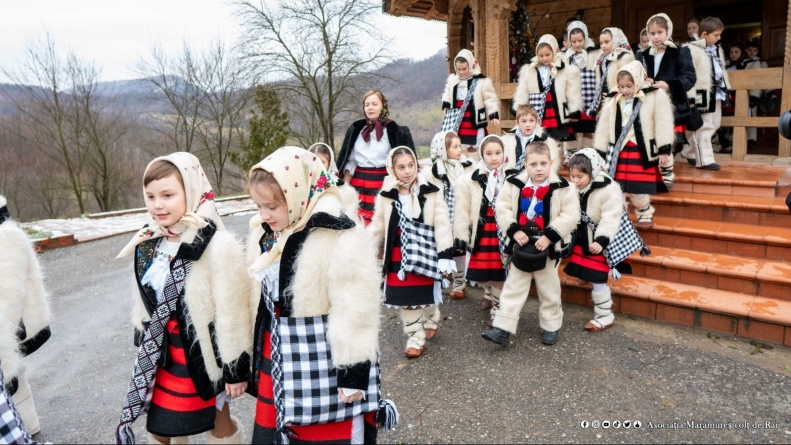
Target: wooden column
(498,14)
(784,145)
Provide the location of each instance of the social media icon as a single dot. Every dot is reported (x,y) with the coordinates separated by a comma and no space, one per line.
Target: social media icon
(584,424)
(595,424)
(605,424)
(637,424)
(616,423)
(627,424)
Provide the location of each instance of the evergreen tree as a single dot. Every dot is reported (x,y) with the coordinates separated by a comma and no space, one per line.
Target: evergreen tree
(268,129)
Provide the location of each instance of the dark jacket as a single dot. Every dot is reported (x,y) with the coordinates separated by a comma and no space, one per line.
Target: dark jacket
(397,135)
(678,71)
(234,371)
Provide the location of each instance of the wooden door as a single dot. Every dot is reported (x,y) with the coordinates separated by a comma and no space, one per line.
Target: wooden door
(637,12)
(773,32)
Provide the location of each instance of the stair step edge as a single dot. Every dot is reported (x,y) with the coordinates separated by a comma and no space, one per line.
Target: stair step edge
(770,310)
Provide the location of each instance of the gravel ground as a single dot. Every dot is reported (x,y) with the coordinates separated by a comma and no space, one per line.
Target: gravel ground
(680,384)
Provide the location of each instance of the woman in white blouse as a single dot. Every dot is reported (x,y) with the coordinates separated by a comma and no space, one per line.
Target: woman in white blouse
(366,144)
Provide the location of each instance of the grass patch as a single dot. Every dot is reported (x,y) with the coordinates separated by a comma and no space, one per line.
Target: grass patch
(37,234)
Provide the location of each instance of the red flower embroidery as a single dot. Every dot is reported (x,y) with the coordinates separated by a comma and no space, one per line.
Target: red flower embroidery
(539,222)
(542,192)
(321,182)
(527,192)
(522,219)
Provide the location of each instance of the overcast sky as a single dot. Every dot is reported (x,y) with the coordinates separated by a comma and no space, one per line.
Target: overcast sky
(114,33)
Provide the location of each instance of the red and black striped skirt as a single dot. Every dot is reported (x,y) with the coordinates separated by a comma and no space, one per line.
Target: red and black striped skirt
(468,132)
(586,124)
(681,134)
(176,409)
(551,121)
(368,183)
(587,266)
(633,176)
(486,263)
(265,425)
(415,290)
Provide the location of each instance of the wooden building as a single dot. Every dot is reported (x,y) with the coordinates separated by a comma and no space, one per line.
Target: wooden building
(498,31)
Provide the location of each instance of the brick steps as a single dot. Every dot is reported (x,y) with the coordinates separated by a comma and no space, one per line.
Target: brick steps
(770,211)
(711,309)
(721,255)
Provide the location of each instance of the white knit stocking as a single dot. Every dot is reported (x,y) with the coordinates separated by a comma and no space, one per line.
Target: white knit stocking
(602,308)
(431,317)
(413,327)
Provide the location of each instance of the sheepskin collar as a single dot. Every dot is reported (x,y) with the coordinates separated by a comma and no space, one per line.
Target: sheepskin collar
(425,189)
(435,170)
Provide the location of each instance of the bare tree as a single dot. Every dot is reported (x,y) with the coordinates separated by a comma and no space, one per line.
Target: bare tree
(176,78)
(42,100)
(323,53)
(226,94)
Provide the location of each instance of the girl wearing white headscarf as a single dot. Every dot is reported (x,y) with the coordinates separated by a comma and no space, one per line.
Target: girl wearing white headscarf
(583,54)
(349,195)
(475,223)
(483,106)
(189,313)
(601,204)
(616,53)
(552,87)
(312,266)
(670,68)
(400,207)
(635,130)
(449,166)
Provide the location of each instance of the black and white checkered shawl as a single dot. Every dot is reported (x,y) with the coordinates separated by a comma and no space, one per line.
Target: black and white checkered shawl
(150,350)
(418,247)
(598,95)
(450,197)
(539,100)
(12,430)
(588,84)
(454,116)
(714,53)
(502,242)
(625,242)
(613,151)
(310,383)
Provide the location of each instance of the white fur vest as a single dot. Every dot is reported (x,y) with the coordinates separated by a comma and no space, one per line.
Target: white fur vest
(603,204)
(702,93)
(561,211)
(567,88)
(24,303)
(484,104)
(334,274)
(653,128)
(215,292)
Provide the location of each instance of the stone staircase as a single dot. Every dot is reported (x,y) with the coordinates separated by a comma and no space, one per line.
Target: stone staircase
(721,255)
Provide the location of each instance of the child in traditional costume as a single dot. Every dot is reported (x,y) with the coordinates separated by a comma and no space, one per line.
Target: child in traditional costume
(475,222)
(468,85)
(635,129)
(583,54)
(601,207)
(24,303)
(412,223)
(538,210)
(316,288)
(190,311)
(552,87)
(449,166)
(669,67)
(349,195)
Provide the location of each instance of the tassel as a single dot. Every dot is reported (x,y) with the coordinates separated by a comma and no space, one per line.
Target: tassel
(645,251)
(124,434)
(281,437)
(445,283)
(387,416)
(402,275)
(615,274)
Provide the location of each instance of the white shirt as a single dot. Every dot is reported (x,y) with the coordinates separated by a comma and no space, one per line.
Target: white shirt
(545,72)
(628,106)
(657,62)
(372,154)
(157,274)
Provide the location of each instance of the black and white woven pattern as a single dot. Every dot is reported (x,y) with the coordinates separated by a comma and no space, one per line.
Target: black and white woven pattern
(613,151)
(539,101)
(310,383)
(588,84)
(625,242)
(454,116)
(418,247)
(502,242)
(11,428)
(598,95)
(450,198)
(150,350)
